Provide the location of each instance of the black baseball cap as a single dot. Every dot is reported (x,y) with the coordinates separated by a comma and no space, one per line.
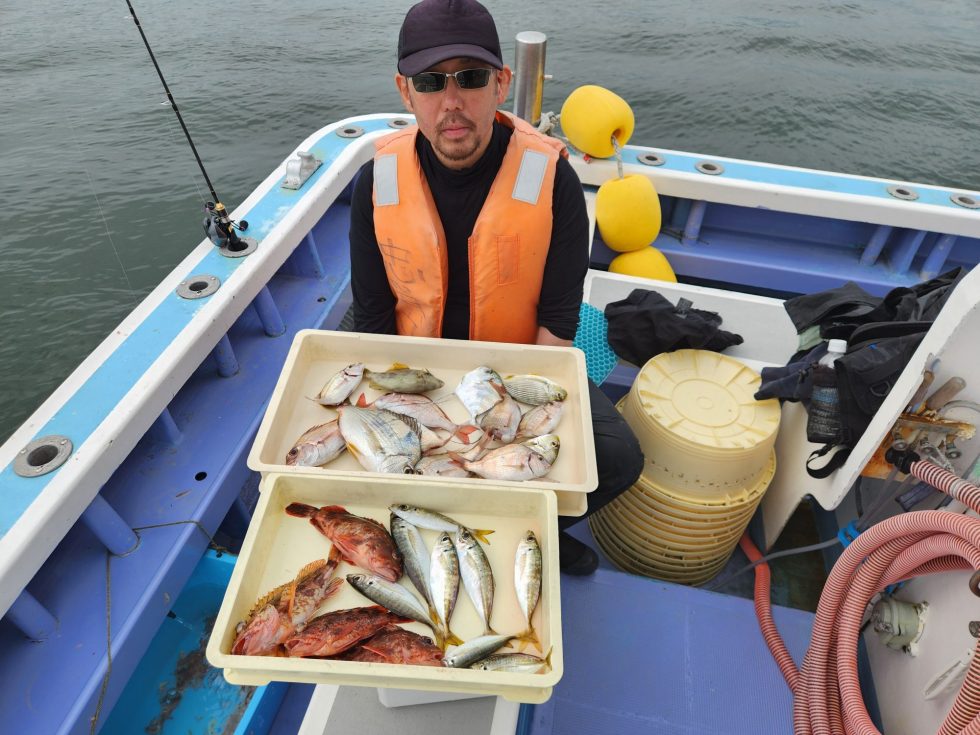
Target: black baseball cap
(436,30)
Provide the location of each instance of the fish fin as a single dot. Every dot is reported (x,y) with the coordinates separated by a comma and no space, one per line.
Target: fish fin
(269,598)
(300,510)
(335,557)
(458,459)
(499,388)
(362,401)
(528,637)
(547,658)
(309,570)
(332,508)
(452,639)
(463,432)
(398,366)
(335,584)
(490,631)
(481,534)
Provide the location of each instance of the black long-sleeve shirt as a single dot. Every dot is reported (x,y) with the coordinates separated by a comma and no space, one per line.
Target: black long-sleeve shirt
(459,197)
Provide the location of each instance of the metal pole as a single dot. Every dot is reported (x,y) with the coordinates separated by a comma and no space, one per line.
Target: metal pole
(529,75)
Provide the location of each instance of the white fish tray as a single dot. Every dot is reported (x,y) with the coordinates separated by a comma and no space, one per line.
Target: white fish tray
(277,546)
(316,355)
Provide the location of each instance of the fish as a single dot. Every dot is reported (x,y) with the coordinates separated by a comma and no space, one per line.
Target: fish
(514,663)
(513,462)
(359,653)
(430,519)
(424,410)
(280,612)
(502,420)
(396,645)
(415,557)
(336,631)
(540,420)
(306,595)
(317,446)
(341,385)
(362,542)
(534,389)
(444,586)
(527,583)
(480,390)
(392,596)
(475,649)
(441,465)
(477,576)
(379,440)
(403,379)
(546,445)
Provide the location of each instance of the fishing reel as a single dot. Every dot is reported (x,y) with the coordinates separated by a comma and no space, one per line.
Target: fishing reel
(221,230)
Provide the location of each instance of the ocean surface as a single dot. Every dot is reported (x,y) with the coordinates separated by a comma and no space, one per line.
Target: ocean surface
(100,196)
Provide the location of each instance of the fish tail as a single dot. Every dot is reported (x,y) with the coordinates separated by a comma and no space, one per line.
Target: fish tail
(332,588)
(481,534)
(300,510)
(362,401)
(529,637)
(334,558)
(457,459)
(463,432)
(547,658)
(452,639)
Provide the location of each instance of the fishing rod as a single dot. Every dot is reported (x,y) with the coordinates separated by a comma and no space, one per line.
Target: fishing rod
(218,226)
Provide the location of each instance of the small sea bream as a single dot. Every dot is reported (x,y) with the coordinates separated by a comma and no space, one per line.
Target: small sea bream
(341,385)
(543,419)
(317,446)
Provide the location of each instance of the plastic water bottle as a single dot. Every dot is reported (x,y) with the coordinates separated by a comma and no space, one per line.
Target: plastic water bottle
(823,423)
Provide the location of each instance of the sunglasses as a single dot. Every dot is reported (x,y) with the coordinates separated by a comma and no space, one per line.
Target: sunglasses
(435,81)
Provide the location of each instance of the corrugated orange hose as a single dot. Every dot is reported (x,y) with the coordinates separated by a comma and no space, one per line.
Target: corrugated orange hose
(827,693)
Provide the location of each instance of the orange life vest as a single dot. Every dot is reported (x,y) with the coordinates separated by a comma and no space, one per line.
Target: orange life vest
(507,248)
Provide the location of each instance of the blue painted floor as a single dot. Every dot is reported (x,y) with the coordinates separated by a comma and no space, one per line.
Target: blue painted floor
(650,657)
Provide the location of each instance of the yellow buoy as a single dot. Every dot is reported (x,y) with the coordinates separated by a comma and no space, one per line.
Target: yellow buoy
(627,211)
(645,263)
(592,115)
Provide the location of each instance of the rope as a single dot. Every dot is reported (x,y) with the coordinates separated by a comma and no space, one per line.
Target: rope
(94,719)
(619,156)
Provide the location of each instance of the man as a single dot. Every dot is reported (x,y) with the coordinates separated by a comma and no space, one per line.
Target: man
(472,225)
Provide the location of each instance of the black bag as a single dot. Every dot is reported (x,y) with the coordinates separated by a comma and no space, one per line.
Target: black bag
(644,324)
(866,374)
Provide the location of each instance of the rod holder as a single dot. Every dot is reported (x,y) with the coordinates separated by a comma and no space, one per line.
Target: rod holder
(529,75)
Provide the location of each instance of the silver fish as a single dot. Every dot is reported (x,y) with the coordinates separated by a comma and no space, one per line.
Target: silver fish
(440,464)
(424,518)
(381,441)
(341,385)
(502,420)
(317,446)
(444,585)
(403,379)
(480,390)
(540,420)
(415,557)
(534,389)
(475,649)
(514,663)
(394,597)
(474,569)
(424,410)
(514,462)
(527,583)
(547,446)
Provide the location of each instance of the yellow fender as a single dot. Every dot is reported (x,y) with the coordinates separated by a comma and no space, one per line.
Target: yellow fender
(627,212)
(645,263)
(591,116)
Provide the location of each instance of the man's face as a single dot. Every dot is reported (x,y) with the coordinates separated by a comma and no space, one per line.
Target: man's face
(457,122)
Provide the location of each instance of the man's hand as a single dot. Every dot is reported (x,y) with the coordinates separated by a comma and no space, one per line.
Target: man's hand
(545,337)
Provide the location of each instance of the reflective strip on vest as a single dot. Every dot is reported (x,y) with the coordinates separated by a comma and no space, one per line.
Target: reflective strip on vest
(527,188)
(386,180)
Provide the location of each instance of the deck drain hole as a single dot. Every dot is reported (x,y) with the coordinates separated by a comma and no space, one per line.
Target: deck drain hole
(200,476)
(321,299)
